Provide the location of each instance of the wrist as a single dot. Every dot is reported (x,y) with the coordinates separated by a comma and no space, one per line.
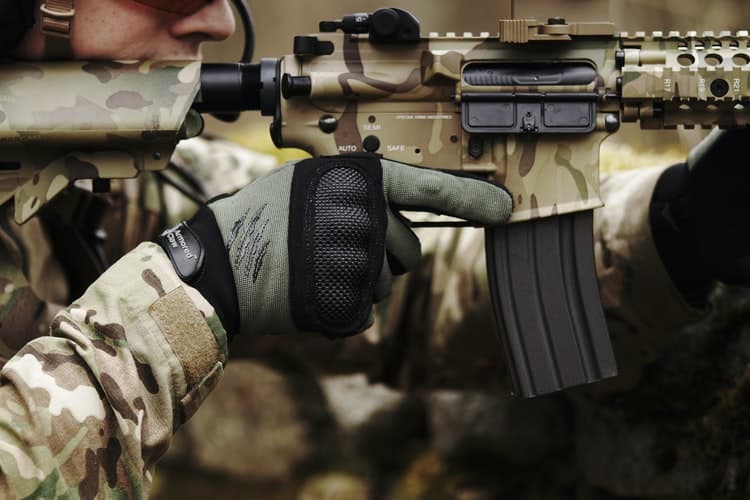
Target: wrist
(197,252)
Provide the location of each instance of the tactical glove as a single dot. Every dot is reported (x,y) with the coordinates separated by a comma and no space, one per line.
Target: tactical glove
(698,215)
(312,245)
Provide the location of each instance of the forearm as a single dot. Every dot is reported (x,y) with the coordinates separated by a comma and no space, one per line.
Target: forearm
(635,287)
(123,368)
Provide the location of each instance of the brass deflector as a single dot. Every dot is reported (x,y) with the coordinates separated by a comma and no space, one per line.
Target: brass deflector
(555,29)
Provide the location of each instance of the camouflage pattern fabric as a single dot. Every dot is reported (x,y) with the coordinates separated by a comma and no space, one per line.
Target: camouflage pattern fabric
(88,410)
(34,284)
(90,394)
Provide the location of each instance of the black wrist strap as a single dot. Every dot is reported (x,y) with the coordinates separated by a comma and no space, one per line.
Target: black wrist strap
(196,249)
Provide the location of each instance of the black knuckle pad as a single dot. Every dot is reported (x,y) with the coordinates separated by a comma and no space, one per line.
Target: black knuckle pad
(336,243)
(340,233)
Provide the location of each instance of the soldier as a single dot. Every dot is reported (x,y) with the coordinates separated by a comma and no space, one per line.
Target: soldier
(89,409)
(139,351)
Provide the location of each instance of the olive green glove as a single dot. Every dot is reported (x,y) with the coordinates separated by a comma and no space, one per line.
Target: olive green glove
(311,246)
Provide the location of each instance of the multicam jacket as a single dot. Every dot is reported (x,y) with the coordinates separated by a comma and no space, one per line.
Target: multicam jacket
(90,394)
(89,407)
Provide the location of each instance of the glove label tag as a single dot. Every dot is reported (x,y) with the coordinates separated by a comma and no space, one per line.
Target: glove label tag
(176,239)
(185,250)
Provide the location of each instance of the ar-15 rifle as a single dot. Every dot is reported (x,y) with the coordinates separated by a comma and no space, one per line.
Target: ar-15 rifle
(528,108)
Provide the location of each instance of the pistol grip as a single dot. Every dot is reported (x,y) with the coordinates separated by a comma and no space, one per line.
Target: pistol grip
(545,300)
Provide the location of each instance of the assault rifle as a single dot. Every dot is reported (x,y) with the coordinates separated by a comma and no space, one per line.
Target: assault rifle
(527,107)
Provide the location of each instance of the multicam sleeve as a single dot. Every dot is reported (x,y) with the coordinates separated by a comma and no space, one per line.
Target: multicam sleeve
(33,286)
(644,308)
(87,411)
(634,283)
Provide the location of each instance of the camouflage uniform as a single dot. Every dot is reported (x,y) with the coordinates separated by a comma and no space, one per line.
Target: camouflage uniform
(88,410)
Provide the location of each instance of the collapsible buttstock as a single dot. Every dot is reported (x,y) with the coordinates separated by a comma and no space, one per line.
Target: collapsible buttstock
(545,300)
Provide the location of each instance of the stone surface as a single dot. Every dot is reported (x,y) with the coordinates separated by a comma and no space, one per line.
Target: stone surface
(685,431)
(354,401)
(258,425)
(520,430)
(634,461)
(334,486)
(381,426)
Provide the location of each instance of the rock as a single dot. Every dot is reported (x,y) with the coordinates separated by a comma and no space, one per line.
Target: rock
(518,430)
(379,424)
(259,424)
(634,460)
(354,401)
(334,486)
(684,430)
(473,494)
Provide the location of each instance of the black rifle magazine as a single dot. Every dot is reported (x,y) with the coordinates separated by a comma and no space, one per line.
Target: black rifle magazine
(546,304)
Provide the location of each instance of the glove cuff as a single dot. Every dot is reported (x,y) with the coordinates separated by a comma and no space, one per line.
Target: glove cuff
(197,252)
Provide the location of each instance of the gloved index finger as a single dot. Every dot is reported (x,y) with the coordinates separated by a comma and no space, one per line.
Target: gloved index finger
(424,189)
